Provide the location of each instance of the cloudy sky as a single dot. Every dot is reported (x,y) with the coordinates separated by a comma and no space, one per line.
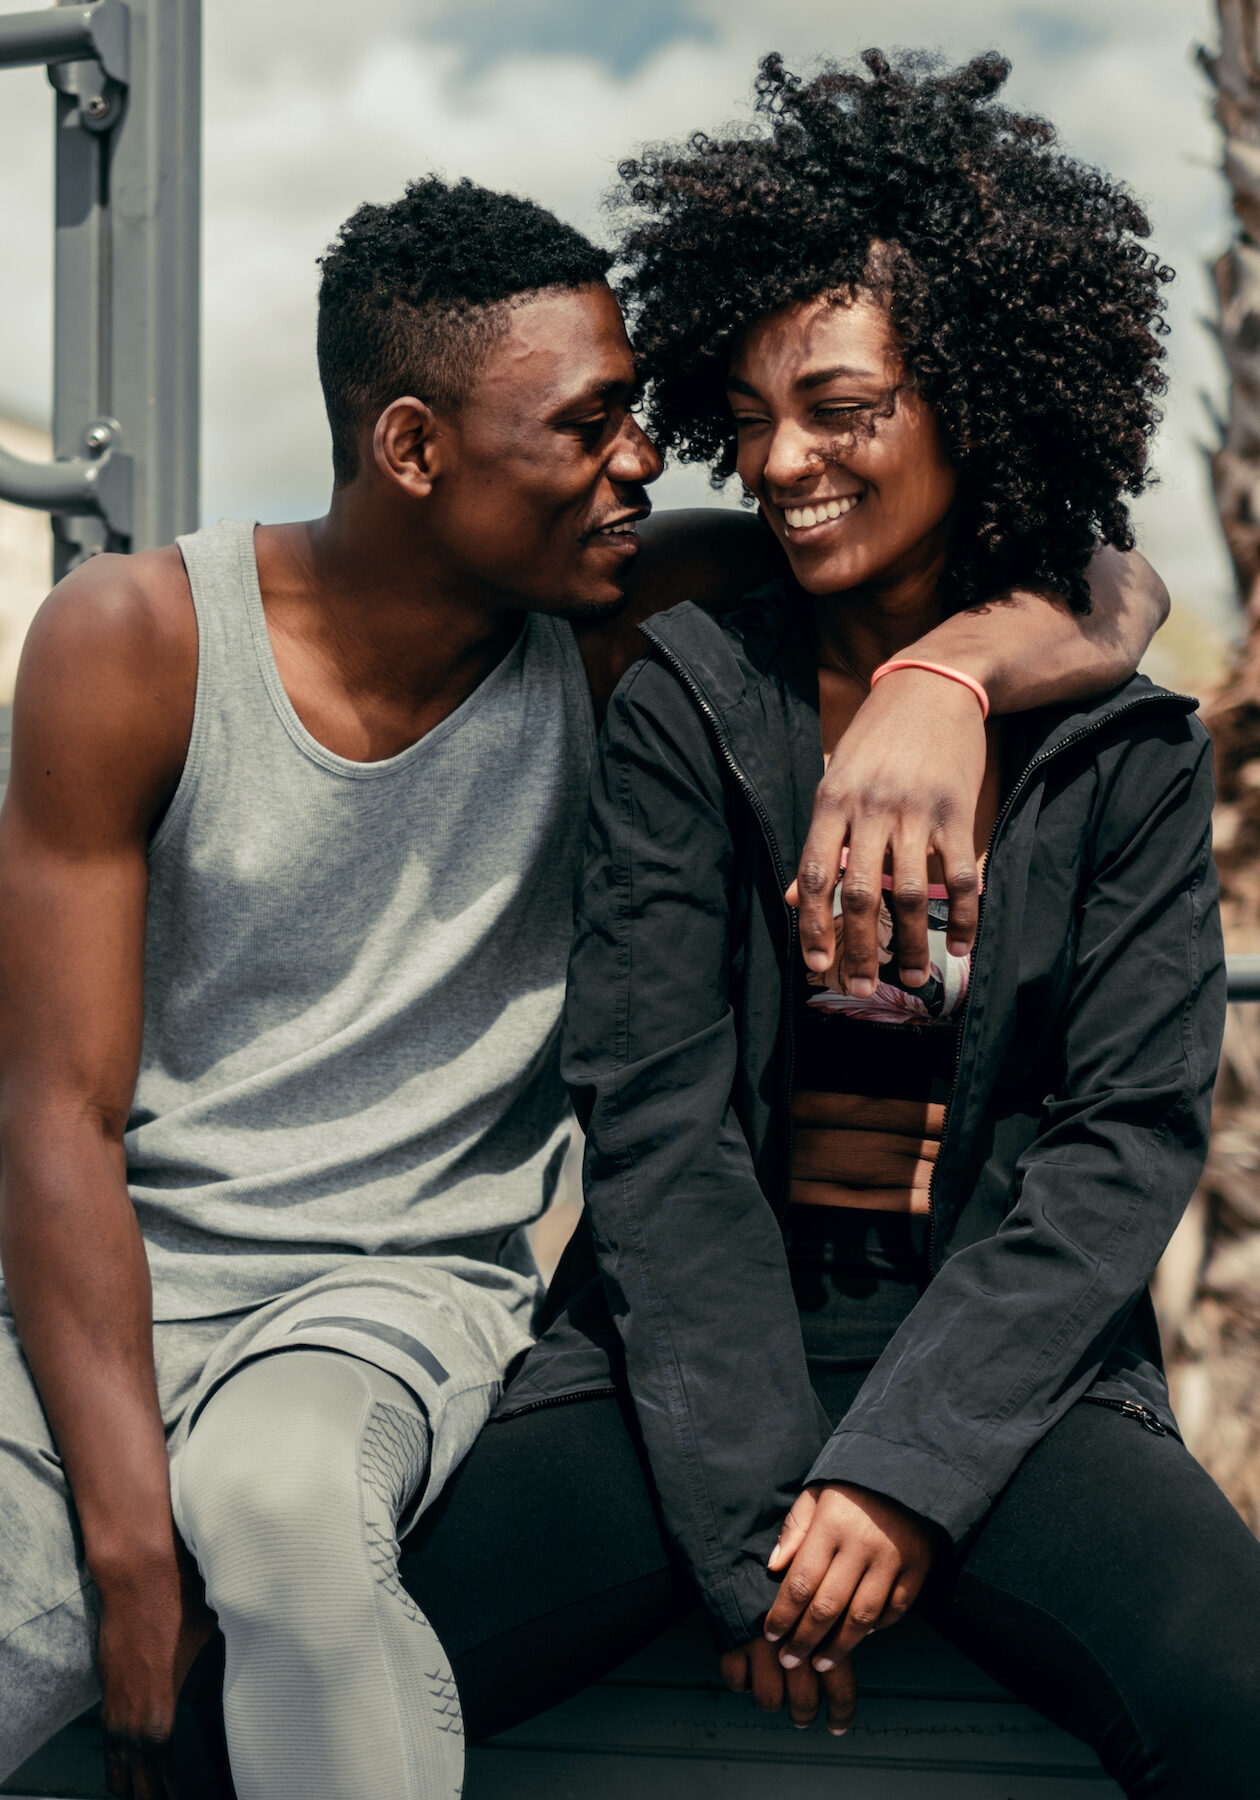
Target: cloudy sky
(314,105)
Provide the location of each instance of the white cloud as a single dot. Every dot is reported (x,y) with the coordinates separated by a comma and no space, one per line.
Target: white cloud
(312,107)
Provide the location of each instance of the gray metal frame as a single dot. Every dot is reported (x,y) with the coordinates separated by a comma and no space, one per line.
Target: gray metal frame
(126,350)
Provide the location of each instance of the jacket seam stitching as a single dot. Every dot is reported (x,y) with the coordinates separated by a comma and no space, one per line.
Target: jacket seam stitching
(722,1577)
(1020,1390)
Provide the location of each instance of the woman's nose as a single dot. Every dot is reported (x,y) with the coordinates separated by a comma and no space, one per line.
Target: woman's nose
(793,456)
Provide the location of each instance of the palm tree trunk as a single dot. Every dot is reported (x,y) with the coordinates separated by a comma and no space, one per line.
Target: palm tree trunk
(1208,1290)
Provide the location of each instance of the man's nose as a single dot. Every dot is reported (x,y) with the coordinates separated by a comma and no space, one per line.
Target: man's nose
(635,457)
(793,456)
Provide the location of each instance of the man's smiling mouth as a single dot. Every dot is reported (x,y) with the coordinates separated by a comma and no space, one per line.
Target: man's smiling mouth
(623,524)
(620,533)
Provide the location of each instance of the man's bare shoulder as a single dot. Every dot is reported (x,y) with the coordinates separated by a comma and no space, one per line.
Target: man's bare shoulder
(107,684)
(120,604)
(710,554)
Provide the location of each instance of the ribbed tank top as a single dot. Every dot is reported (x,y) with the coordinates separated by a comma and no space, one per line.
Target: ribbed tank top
(353,971)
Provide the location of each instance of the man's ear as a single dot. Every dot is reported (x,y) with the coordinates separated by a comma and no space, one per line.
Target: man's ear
(409,445)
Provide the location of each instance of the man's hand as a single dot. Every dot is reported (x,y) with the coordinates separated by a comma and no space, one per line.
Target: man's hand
(852,1562)
(906,774)
(153,1622)
(905,778)
(756,1668)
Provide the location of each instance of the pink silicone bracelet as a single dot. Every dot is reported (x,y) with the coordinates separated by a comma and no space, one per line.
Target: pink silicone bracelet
(912,662)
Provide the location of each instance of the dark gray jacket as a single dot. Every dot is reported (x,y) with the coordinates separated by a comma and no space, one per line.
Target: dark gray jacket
(1074,1138)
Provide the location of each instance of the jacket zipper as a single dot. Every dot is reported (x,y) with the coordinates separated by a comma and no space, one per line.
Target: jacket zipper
(750,793)
(1132,1409)
(1004,813)
(518,1412)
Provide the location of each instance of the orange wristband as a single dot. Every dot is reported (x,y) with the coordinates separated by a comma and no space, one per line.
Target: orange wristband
(912,662)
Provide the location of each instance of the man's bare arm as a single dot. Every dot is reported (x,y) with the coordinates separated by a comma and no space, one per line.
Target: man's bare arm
(906,775)
(101,720)
(907,772)
(1029,649)
(1033,650)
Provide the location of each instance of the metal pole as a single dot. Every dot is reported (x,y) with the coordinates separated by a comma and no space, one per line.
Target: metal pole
(1242,978)
(128,278)
(127,273)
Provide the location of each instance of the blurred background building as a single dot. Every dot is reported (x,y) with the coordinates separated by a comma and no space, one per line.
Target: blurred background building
(25,550)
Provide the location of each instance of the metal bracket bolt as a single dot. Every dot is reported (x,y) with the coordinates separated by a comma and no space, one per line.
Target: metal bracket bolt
(99,436)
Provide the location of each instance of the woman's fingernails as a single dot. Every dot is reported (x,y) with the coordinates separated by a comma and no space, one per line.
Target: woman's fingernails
(817,959)
(823,1663)
(861,987)
(914,977)
(788,1660)
(837,1730)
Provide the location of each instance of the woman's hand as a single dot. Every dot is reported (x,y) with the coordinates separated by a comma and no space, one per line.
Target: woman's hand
(756,1668)
(852,1562)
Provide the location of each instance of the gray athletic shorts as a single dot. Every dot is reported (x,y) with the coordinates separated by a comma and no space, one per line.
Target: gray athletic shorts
(445,1336)
(446,1329)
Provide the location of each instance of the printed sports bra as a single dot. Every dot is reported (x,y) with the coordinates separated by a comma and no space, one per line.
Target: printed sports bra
(940,1001)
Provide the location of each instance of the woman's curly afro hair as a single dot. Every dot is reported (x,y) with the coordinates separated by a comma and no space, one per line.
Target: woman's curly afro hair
(1025,307)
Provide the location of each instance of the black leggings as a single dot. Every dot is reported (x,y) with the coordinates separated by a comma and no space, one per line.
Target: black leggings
(1112,1587)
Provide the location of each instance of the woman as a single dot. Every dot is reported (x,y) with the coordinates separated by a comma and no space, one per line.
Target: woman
(928,345)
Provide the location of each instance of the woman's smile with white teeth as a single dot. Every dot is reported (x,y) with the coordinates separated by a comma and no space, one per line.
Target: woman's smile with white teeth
(801,517)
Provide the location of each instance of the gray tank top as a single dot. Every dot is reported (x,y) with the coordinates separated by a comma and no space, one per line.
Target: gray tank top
(353,971)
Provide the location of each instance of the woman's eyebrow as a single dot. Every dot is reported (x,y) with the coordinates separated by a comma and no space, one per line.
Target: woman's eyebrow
(817,377)
(804,383)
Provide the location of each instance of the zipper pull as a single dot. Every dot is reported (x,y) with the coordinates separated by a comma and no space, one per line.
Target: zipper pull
(1145,1416)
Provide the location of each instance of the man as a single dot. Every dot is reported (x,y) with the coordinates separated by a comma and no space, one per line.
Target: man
(285,874)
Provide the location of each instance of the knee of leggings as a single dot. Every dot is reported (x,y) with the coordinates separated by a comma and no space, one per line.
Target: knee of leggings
(263,1508)
(1207,1741)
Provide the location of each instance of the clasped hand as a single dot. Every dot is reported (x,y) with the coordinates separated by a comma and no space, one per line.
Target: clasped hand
(852,1562)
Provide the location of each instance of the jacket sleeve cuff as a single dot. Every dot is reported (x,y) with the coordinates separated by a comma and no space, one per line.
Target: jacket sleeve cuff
(739,1614)
(916,1480)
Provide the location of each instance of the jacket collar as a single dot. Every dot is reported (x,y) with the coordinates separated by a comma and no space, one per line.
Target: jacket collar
(727,658)
(755,677)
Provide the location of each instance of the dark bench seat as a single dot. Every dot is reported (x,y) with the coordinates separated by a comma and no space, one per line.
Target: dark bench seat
(930,1726)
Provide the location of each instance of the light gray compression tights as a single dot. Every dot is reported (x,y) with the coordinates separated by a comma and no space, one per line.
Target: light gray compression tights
(290,1489)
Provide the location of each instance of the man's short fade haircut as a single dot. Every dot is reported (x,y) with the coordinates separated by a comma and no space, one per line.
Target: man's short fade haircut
(413,294)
